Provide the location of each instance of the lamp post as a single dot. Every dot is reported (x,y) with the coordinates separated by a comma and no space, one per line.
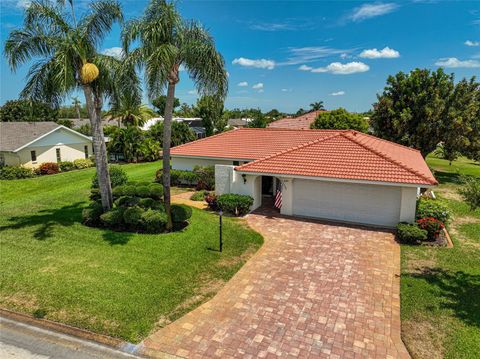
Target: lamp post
(220,213)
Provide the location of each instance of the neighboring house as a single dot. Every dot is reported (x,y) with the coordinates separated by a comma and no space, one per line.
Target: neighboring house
(238,122)
(302,122)
(332,174)
(31,143)
(195,123)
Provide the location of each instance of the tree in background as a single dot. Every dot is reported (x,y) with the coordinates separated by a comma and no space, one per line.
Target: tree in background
(77,106)
(27,110)
(65,122)
(166,41)
(317,106)
(425,108)
(181,133)
(161,101)
(340,119)
(274,115)
(67,61)
(127,141)
(185,110)
(210,110)
(300,112)
(128,110)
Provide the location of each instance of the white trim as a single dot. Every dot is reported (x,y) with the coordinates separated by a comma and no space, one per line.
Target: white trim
(342,180)
(50,132)
(215,158)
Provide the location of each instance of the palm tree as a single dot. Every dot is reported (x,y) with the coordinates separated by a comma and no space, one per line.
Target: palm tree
(130,111)
(166,41)
(316,106)
(67,60)
(76,104)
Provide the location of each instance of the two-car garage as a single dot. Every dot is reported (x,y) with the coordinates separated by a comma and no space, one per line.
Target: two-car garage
(347,202)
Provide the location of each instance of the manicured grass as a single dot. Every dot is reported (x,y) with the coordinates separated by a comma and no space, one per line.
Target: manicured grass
(120,284)
(440,287)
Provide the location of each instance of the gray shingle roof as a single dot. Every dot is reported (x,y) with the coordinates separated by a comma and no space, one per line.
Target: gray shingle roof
(14,135)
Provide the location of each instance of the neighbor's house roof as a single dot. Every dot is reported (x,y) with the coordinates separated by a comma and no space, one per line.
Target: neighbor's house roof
(16,135)
(302,122)
(339,154)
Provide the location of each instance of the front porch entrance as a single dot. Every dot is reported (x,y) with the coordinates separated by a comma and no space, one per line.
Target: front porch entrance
(269,188)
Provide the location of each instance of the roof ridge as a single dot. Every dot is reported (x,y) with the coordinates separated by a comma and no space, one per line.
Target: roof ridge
(291,129)
(306,144)
(388,141)
(385,156)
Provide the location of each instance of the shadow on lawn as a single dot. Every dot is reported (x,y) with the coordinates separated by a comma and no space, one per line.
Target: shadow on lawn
(460,292)
(115,238)
(47,219)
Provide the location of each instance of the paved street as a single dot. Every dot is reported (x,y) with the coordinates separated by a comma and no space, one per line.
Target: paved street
(21,341)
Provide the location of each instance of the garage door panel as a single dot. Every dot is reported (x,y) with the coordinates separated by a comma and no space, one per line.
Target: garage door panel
(369,204)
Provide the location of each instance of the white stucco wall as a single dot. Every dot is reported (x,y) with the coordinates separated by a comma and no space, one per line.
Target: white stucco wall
(408,204)
(187,163)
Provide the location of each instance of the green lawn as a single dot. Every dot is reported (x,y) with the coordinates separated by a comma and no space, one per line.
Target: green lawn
(120,284)
(440,287)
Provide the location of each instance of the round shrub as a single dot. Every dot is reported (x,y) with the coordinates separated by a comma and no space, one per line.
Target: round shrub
(95,194)
(151,203)
(154,221)
(118,191)
(91,214)
(48,168)
(113,218)
(180,213)
(142,191)
(410,233)
(432,208)
(83,163)
(236,204)
(117,176)
(129,190)
(126,201)
(470,191)
(132,216)
(66,166)
(155,190)
(432,225)
(15,172)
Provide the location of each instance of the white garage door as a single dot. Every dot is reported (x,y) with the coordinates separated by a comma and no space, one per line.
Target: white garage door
(368,204)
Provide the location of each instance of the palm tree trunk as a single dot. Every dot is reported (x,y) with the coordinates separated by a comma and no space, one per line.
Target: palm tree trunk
(167,137)
(94,107)
(78,113)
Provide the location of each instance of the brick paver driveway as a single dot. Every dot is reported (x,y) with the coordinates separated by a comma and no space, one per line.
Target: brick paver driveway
(313,290)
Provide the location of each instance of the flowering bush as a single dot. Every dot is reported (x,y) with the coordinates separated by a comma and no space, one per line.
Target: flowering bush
(211,199)
(48,168)
(432,208)
(432,225)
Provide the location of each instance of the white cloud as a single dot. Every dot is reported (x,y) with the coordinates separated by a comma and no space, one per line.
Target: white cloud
(192,92)
(472,43)
(367,11)
(305,68)
(286,90)
(258,86)
(243,84)
(300,55)
(453,62)
(259,63)
(385,53)
(260,91)
(338,93)
(116,52)
(344,55)
(337,68)
(24,3)
(271,26)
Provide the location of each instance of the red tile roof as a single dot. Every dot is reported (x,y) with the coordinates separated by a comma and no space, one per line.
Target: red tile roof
(315,153)
(302,122)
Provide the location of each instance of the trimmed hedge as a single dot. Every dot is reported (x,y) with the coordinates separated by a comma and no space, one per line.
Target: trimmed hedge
(152,190)
(199,196)
(118,176)
(66,166)
(411,233)
(82,163)
(236,204)
(154,221)
(15,172)
(201,177)
(91,214)
(180,213)
(432,208)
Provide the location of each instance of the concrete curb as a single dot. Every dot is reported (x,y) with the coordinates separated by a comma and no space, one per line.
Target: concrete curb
(105,340)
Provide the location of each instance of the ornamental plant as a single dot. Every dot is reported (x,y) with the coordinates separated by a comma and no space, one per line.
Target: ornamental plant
(432,225)
(432,208)
(48,168)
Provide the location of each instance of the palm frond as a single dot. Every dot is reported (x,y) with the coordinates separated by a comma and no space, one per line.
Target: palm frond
(98,22)
(45,13)
(158,65)
(131,32)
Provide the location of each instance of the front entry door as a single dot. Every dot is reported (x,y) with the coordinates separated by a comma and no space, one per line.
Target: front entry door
(267,186)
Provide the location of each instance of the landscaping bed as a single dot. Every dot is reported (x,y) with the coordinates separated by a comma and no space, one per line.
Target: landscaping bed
(440,286)
(121,284)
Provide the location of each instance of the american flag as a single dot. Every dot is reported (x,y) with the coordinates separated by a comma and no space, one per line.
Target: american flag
(278,199)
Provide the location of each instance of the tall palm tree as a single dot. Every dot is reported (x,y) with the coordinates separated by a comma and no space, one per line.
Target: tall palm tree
(166,41)
(130,111)
(67,60)
(316,106)
(76,104)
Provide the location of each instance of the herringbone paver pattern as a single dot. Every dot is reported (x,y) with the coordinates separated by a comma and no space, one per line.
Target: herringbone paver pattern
(314,290)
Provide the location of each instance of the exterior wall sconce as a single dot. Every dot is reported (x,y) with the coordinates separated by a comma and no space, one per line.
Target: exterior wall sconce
(244,176)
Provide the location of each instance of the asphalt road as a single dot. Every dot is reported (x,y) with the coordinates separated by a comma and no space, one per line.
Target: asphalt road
(23,341)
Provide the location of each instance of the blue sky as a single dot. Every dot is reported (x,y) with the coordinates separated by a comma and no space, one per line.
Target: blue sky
(288,54)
